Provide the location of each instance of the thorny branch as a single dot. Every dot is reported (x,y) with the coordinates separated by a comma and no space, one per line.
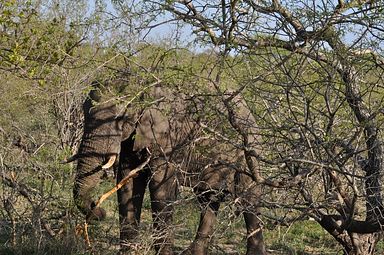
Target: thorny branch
(338,56)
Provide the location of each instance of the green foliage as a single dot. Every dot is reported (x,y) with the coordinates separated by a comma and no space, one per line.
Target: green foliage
(305,237)
(48,58)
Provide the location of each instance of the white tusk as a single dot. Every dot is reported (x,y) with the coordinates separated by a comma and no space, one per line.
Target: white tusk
(110,162)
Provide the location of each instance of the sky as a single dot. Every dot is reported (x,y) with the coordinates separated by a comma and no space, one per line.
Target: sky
(183,36)
(165,30)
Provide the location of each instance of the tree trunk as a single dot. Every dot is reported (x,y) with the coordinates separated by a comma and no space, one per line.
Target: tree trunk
(361,244)
(353,243)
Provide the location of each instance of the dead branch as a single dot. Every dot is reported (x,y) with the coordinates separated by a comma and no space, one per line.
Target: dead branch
(132,174)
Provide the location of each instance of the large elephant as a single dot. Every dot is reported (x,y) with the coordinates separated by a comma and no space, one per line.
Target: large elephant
(167,126)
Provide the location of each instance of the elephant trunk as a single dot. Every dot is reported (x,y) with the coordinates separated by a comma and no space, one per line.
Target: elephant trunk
(96,154)
(91,165)
(88,176)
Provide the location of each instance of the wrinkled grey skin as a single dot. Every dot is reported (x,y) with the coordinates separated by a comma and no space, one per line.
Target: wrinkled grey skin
(168,130)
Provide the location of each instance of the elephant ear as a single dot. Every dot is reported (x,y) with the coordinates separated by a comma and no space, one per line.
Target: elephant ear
(152,131)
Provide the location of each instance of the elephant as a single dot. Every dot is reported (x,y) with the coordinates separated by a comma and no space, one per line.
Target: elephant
(165,126)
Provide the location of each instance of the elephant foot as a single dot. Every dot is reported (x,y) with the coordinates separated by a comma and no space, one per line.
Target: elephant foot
(196,248)
(256,251)
(165,251)
(129,241)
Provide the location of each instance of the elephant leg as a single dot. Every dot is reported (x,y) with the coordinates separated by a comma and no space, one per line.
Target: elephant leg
(163,189)
(249,194)
(255,242)
(130,198)
(209,210)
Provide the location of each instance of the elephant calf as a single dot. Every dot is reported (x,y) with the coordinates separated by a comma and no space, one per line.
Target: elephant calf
(169,130)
